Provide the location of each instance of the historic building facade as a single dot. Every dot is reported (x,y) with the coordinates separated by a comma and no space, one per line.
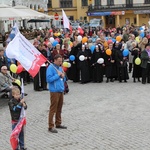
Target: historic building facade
(112,12)
(120,12)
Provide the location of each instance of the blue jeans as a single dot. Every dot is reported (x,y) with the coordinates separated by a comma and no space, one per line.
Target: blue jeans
(21,137)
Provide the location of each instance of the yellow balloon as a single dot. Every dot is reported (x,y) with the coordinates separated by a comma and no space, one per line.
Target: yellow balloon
(55,34)
(137,61)
(65,64)
(137,39)
(13,68)
(18,82)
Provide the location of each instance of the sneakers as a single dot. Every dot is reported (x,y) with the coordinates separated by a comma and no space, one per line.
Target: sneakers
(61,127)
(53,130)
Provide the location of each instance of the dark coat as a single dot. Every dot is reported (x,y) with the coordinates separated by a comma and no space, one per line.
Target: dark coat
(84,66)
(137,70)
(144,59)
(73,71)
(97,69)
(15,109)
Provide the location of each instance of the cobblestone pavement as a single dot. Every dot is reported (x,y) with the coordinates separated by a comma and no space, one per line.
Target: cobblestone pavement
(99,116)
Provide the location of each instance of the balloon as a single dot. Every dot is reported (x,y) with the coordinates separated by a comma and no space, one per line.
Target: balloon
(57,39)
(100,61)
(125,52)
(105,44)
(72,57)
(69,65)
(71,44)
(79,38)
(55,34)
(92,48)
(114,40)
(50,30)
(108,52)
(54,43)
(58,34)
(12,35)
(18,82)
(137,39)
(19,69)
(81,57)
(142,34)
(64,68)
(84,40)
(118,38)
(141,28)
(51,39)
(13,68)
(137,61)
(106,38)
(65,64)
(109,41)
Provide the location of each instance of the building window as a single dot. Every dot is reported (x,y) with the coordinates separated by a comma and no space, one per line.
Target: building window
(49,5)
(65,3)
(84,3)
(110,2)
(97,2)
(129,1)
(147,1)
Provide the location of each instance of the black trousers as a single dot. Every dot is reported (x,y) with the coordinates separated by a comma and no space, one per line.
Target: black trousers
(146,74)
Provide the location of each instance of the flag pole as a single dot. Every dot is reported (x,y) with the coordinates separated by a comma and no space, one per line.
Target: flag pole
(24,127)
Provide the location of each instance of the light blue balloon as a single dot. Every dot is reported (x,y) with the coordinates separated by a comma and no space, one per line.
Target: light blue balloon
(114,40)
(141,28)
(72,57)
(125,52)
(92,48)
(142,34)
(106,38)
(55,43)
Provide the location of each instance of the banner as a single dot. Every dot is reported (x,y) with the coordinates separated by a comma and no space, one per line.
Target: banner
(24,52)
(66,22)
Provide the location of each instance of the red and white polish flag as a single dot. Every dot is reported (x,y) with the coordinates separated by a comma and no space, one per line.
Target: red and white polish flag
(80,30)
(15,133)
(66,22)
(24,52)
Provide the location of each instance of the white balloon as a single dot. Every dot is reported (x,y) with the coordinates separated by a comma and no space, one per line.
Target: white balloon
(51,39)
(79,38)
(69,65)
(81,57)
(100,61)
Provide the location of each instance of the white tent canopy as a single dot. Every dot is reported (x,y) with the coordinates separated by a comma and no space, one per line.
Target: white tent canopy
(20,13)
(33,13)
(8,13)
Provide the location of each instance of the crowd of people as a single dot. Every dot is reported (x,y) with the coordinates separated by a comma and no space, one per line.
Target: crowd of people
(93,44)
(107,44)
